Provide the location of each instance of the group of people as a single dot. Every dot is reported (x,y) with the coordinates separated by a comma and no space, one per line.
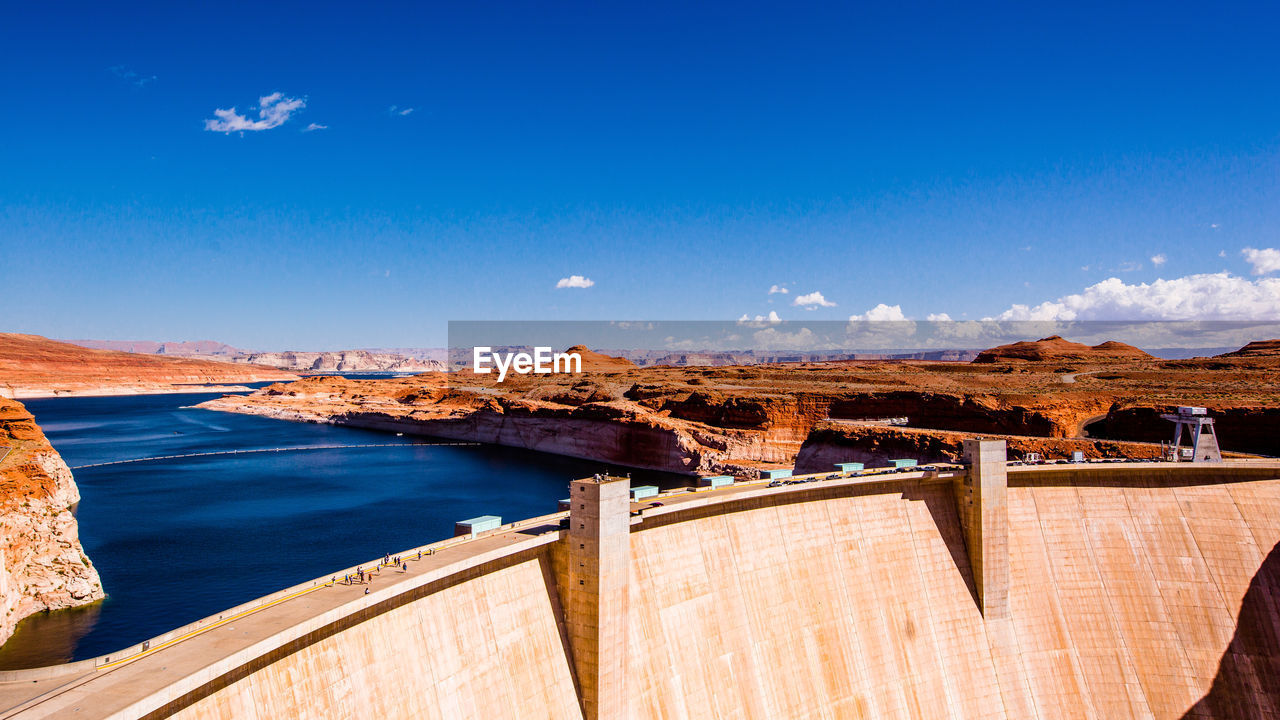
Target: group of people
(387,561)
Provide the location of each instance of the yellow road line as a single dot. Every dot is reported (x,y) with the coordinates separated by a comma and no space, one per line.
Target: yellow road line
(241,614)
(211,626)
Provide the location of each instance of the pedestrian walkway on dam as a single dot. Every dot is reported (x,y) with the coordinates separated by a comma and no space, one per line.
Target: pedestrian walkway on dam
(114,686)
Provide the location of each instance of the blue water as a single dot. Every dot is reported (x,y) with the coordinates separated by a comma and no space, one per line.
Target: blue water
(178,540)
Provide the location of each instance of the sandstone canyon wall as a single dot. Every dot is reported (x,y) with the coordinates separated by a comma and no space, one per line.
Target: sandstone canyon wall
(42,565)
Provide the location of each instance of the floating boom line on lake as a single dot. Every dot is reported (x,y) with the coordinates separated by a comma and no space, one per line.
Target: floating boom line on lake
(267,450)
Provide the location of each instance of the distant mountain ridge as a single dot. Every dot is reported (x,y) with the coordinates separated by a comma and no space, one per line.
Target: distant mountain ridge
(150,347)
(704,358)
(35,366)
(342,361)
(298,361)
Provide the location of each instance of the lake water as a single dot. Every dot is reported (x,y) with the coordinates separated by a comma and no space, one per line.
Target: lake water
(180,539)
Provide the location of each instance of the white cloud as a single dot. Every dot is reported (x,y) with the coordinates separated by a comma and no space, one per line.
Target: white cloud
(775,289)
(812,300)
(772,317)
(1207,296)
(1264,261)
(1130,266)
(880,313)
(938,317)
(1159,259)
(274,110)
(397,110)
(575,281)
(315,126)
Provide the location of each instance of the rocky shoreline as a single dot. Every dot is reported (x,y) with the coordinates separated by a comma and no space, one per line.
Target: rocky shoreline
(42,564)
(740,419)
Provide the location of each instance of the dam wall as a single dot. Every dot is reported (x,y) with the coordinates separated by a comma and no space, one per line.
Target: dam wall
(1145,590)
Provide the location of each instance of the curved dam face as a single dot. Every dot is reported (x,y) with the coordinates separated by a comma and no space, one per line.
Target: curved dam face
(1144,590)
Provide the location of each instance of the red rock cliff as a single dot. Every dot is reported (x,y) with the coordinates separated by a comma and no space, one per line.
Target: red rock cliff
(42,565)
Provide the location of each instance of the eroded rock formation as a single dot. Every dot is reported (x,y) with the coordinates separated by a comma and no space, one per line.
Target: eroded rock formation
(737,418)
(1055,347)
(42,565)
(341,361)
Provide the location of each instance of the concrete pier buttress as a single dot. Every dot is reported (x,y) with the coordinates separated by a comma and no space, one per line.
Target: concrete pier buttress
(981,501)
(598,597)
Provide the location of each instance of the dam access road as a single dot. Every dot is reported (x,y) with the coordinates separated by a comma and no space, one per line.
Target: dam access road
(1095,591)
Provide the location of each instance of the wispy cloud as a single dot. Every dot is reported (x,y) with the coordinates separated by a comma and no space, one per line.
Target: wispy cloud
(812,301)
(315,126)
(1159,259)
(397,110)
(575,281)
(274,110)
(1264,261)
(776,289)
(131,77)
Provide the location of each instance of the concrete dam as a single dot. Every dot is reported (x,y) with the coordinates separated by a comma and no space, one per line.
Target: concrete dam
(1145,590)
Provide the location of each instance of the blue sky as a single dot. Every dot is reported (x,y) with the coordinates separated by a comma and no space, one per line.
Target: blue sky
(1083,160)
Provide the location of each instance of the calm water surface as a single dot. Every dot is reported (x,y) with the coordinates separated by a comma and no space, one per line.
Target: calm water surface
(177,540)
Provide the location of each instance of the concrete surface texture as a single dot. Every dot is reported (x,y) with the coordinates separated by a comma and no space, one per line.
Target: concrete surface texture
(1146,591)
(598,590)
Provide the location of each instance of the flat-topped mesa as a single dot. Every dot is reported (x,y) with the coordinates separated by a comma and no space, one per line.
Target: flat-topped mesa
(1055,348)
(42,565)
(1257,348)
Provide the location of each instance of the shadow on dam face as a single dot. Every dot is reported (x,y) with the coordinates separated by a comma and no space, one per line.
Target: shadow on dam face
(1247,684)
(943,511)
